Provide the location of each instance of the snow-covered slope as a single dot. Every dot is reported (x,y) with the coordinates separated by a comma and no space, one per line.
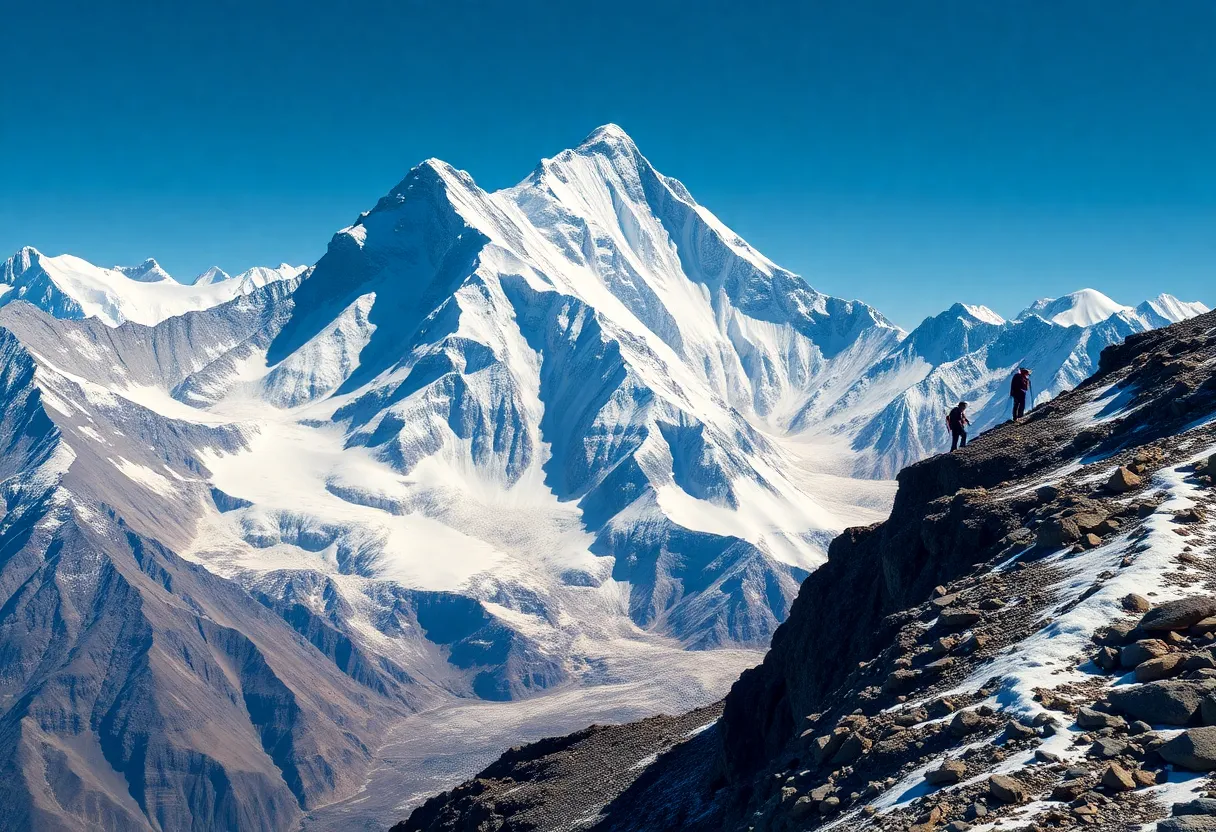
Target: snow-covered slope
(69,287)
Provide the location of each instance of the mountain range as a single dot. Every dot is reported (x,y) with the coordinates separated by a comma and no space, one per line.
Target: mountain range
(490,445)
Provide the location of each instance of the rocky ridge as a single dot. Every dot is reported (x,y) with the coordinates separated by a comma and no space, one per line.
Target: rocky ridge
(1028,639)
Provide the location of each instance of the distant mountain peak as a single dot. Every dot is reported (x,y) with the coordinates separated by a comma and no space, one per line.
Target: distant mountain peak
(213,275)
(149,271)
(1085,307)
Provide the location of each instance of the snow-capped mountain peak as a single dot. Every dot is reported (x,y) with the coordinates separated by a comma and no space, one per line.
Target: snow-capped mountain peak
(982,314)
(1082,308)
(1167,309)
(148,271)
(213,275)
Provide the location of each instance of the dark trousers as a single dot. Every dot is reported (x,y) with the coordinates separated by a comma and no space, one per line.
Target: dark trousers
(1019,406)
(960,438)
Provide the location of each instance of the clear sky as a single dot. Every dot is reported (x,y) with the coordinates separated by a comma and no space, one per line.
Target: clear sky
(907,152)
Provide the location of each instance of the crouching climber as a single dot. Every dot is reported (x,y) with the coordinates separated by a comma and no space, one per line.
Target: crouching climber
(957,421)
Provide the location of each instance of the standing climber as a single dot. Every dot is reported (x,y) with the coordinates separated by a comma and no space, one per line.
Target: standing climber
(1018,389)
(957,421)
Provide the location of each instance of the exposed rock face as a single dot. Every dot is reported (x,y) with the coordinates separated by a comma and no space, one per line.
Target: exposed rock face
(967,533)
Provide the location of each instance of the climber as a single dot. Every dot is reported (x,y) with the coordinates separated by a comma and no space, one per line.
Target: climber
(1019,387)
(957,421)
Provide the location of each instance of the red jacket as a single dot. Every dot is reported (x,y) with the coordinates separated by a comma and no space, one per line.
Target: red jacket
(1019,385)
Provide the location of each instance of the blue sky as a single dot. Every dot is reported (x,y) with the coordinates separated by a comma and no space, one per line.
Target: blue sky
(907,153)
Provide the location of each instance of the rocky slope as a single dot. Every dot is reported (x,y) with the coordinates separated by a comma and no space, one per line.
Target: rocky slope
(1029,639)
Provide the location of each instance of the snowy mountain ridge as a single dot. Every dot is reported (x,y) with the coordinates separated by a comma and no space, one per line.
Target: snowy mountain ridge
(69,287)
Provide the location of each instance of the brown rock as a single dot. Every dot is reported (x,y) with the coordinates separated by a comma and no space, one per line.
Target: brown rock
(1162,667)
(1117,778)
(1136,603)
(966,722)
(1006,789)
(851,750)
(1123,480)
(1056,532)
(1142,650)
(951,771)
(1144,778)
(955,618)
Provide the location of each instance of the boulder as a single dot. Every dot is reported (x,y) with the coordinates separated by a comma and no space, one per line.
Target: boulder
(1047,493)
(825,747)
(1069,790)
(1168,702)
(1189,515)
(1089,521)
(1178,615)
(1198,806)
(1015,730)
(1193,749)
(1136,603)
(1117,634)
(1092,720)
(1091,540)
(1117,778)
(851,750)
(1141,651)
(955,618)
(1056,532)
(1162,667)
(1006,789)
(1206,625)
(901,680)
(1108,748)
(942,646)
(1123,480)
(802,808)
(949,772)
(943,601)
(966,722)
(1107,658)
(1207,709)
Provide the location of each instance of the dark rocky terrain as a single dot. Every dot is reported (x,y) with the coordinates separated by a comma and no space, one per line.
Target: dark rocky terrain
(1028,639)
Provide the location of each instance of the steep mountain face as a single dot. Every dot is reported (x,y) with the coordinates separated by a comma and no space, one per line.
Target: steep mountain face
(68,287)
(1001,649)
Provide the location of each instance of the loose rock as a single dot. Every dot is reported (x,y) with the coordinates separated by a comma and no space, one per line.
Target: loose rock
(1006,789)
(1180,614)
